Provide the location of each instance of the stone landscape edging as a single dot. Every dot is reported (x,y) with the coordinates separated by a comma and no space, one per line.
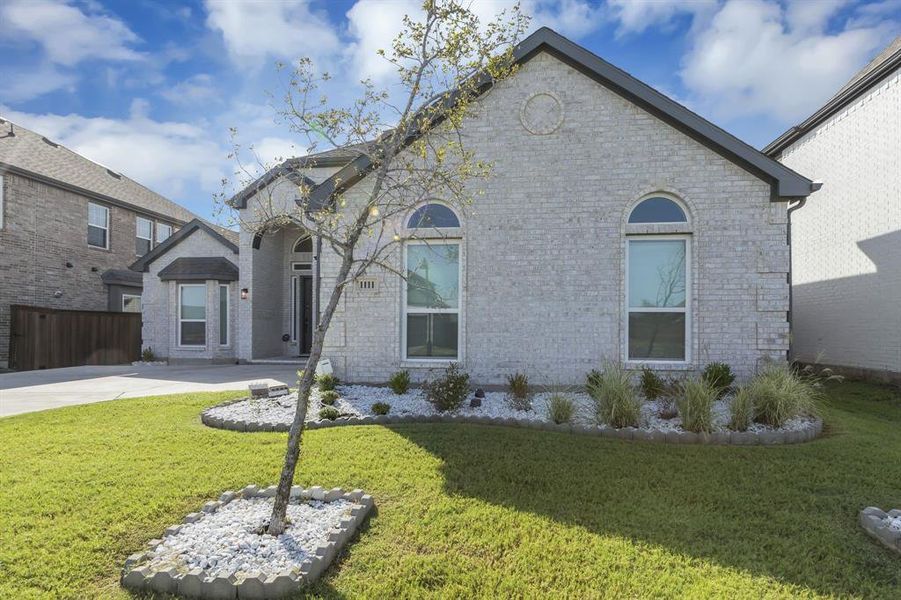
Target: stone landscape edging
(736,438)
(194,584)
(872,519)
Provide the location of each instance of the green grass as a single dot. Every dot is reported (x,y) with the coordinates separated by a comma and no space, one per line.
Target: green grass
(465,510)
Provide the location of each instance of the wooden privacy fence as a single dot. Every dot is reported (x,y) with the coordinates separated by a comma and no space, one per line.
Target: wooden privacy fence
(47,338)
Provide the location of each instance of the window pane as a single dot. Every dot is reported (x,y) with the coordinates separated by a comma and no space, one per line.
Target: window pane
(223,315)
(142,246)
(304,245)
(433,215)
(657,210)
(432,336)
(97,215)
(433,275)
(131,304)
(193,302)
(144,228)
(163,232)
(656,273)
(657,336)
(193,334)
(96,236)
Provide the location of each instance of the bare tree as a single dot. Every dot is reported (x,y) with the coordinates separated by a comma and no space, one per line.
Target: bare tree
(410,142)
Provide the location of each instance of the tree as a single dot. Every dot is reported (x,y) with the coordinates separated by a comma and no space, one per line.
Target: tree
(413,149)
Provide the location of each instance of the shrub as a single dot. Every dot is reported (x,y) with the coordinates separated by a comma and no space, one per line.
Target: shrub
(560,409)
(593,378)
(616,402)
(328,397)
(651,384)
(742,410)
(147,354)
(696,405)
(669,393)
(326,382)
(780,394)
(518,391)
(381,408)
(448,391)
(399,382)
(720,376)
(329,413)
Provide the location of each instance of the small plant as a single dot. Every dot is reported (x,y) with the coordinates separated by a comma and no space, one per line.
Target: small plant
(742,410)
(327,382)
(616,402)
(720,376)
(560,409)
(593,378)
(328,397)
(448,391)
(147,354)
(651,384)
(381,408)
(696,405)
(669,393)
(328,413)
(518,391)
(399,382)
(780,394)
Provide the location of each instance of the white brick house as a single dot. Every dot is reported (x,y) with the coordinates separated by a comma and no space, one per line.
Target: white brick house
(616,225)
(846,244)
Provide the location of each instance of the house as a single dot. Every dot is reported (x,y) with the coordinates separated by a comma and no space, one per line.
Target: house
(846,246)
(69,229)
(616,225)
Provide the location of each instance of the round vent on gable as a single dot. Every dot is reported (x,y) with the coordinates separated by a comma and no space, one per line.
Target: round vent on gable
(541,113)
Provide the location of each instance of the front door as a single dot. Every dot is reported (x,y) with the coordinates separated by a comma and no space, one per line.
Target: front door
(304,295)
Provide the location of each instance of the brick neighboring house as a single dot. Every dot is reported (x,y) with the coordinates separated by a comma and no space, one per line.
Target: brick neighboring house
(69,229)
(601,188)
(846,245)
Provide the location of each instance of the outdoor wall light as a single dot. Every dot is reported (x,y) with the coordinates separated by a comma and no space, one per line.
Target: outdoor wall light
(244,292)
(68,265)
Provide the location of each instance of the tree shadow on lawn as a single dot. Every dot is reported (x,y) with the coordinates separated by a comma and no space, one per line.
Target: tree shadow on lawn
(787,512)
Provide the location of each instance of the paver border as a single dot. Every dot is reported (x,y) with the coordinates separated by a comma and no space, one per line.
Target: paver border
(195,584)
(872,519)
(720,438)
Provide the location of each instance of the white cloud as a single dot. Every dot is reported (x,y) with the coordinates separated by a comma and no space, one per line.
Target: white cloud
(253,31)
(634,16)
(195,89)
(25,84)
(67,35)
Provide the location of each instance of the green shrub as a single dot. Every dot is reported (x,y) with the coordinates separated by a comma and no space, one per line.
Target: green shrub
(327,382)
(560,409)
(593,378)
(449,391)
(147,354)
(742,410)
(616,402)
(399,382)
(780,394)
(696,405)
(720,376)
(669,394)
(518,391)
(651,384)
(329,413)
(328,397)
(381,408)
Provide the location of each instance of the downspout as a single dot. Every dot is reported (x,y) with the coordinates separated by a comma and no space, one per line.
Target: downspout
(317,259)
(788,239)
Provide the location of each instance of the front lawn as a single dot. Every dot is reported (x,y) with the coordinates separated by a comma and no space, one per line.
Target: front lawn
(467,510)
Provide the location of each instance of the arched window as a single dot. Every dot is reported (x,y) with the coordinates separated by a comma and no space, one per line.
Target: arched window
(657,210)
(433,215)
(304,244)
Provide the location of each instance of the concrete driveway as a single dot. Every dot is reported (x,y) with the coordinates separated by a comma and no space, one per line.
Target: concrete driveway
(31,391)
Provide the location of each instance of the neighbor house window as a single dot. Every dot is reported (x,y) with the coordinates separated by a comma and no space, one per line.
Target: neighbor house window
(98,225)
(432,300)
(192,315)
(143,236)
(163,232)
(131,303)
(223,315)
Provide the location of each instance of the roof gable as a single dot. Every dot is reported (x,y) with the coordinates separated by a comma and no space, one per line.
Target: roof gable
(199,268)
(143,263)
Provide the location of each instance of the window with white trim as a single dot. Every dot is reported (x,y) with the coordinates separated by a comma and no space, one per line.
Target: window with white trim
(223,315)
(431,303)
(143,236)
(131,303)
(163,231)
(192,314)
(98,225)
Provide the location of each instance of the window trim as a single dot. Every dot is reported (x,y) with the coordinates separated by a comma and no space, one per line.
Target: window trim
(228,310)
(158,227)
(124,296)
(686,238)
(205,343)
(138,219)
(419,311)
(106,228)
(2,202)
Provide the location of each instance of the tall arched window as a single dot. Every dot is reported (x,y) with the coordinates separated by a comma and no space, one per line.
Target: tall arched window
(433,215)
(657,210)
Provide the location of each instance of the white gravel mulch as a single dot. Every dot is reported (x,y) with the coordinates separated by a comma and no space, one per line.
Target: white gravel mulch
(357,401)
(224,542)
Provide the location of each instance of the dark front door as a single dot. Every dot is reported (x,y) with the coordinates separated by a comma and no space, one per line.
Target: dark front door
(305,314)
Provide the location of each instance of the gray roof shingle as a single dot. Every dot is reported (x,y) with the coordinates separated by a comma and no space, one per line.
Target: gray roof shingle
(200,268)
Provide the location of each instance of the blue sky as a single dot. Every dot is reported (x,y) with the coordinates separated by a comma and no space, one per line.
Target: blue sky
(151,88)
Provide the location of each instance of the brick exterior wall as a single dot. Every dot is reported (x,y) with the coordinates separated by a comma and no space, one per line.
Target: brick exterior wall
(543,247)
(44,227)
(846,241)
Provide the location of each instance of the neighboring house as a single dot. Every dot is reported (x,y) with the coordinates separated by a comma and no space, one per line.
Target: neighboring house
(616,225)
(69,228)
(846,245)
